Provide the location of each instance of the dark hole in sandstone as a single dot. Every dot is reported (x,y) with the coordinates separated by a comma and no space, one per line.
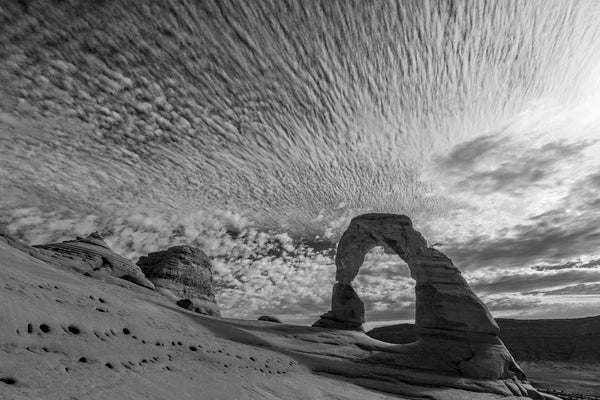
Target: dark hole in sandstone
(193,348)
(73,329)
(109,365)
(8,380)
(44,328)
(100,299)
(29,328)
(83,360)
(126,331)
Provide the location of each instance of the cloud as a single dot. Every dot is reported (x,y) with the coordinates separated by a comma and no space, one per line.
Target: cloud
(581,289)
(528,280)
(568,229)
(568,265)
(528,244)
(499,163)
(467,155)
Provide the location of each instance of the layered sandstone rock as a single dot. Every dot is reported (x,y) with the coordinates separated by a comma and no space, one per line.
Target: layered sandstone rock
(185,274)
(91,253)
(347,310)
(456,332)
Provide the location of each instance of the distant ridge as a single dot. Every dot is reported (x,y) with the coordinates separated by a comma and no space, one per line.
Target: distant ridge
(575,340)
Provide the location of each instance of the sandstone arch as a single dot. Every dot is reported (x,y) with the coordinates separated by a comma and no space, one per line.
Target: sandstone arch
(456,331)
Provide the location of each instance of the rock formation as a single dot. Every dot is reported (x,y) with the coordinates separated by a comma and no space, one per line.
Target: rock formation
(93,254)
(269,318)
(347,310)
(183,273)
(456,332)
(571,340)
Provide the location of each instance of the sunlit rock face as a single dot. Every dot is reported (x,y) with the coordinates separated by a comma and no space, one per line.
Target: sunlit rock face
(456,330)
(184,273)
(93,254)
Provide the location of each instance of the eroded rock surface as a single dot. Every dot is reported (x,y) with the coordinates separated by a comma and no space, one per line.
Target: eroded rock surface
(185,274)
(456,332)
(91,253)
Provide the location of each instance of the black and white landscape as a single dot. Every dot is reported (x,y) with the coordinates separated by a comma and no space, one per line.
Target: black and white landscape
(172,170)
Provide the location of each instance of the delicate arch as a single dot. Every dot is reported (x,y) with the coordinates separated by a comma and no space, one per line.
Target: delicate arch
(456,332)
(444,300)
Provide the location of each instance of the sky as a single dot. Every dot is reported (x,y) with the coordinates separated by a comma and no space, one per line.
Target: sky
(256,131)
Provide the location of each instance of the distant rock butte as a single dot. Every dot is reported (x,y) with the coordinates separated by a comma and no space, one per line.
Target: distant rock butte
(93,254)
(183,273)
(456,332)
(572,340)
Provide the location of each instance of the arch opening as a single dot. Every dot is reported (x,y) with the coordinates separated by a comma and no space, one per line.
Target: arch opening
(455,330)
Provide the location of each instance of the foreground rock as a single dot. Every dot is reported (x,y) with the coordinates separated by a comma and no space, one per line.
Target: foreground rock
(183,273)
(456,332)
(92,254)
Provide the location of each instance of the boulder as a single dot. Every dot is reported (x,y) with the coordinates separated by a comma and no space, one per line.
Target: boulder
(456,333)
(91,253)
(269,318)
(199,306)
(184,273)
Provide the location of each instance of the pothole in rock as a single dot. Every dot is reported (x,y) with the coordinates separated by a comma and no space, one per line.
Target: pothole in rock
(8,380)
(73,329)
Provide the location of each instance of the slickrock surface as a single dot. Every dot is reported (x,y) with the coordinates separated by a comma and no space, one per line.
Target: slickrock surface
(93,254)
(457,334)
(185,274)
